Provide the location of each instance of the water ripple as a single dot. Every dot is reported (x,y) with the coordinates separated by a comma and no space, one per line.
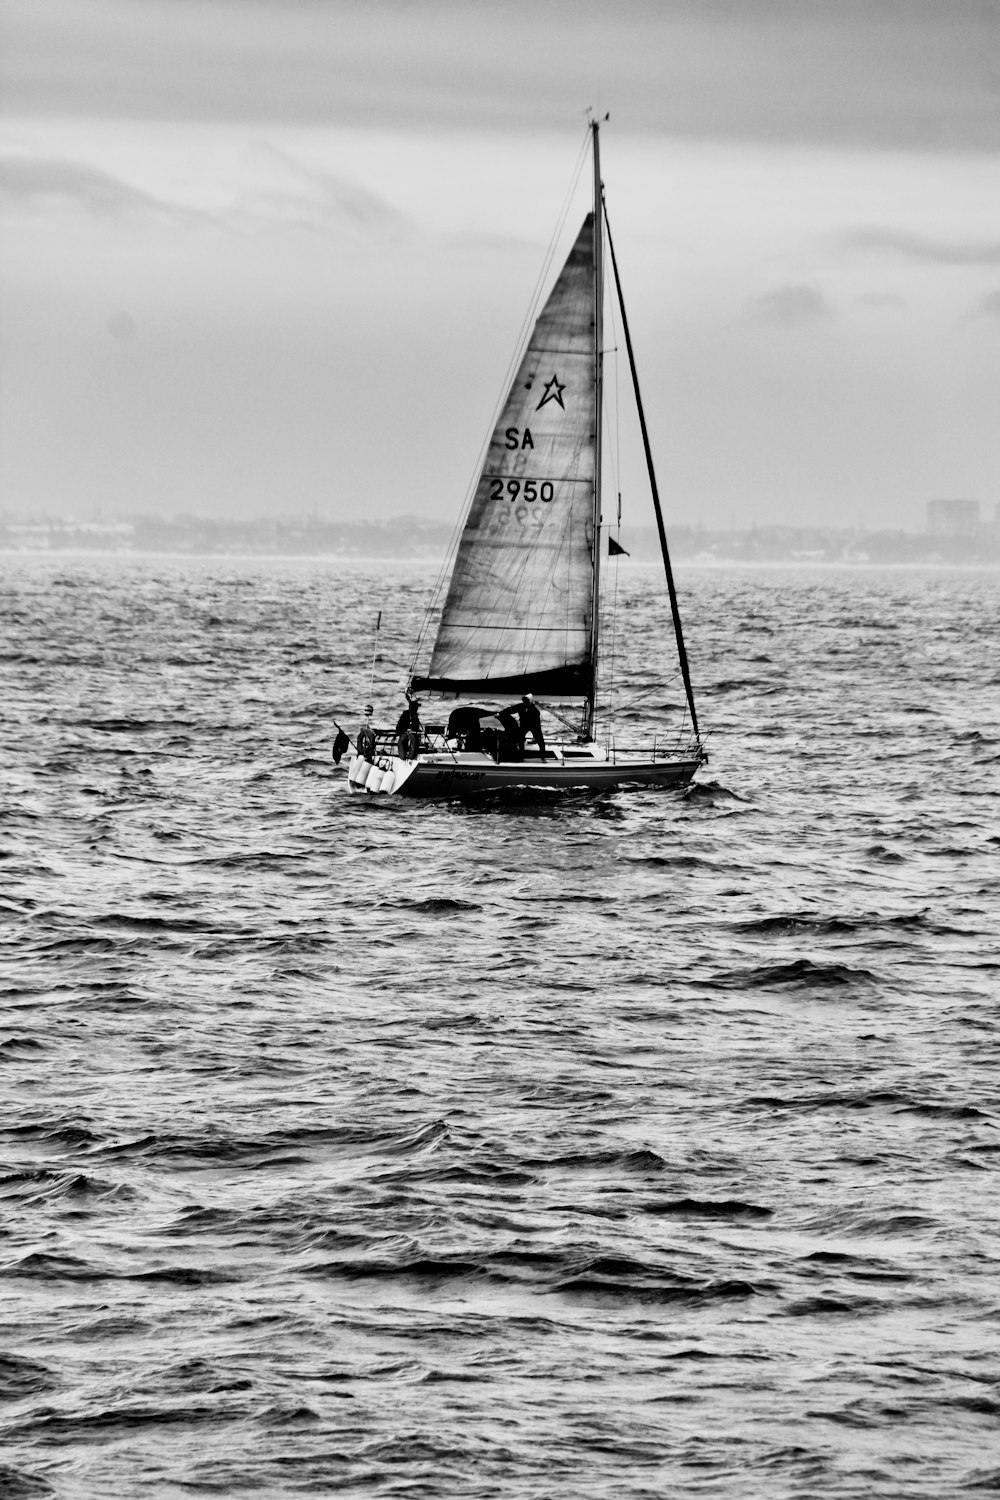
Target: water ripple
(618,1145)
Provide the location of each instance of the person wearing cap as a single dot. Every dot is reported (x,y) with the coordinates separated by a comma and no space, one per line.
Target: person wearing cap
(531,723)
(408,730)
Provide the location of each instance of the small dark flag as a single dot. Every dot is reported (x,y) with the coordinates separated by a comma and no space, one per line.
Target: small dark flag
(615,549)
(340,744)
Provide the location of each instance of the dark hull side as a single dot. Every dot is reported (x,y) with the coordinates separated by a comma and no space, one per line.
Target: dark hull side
(465,775)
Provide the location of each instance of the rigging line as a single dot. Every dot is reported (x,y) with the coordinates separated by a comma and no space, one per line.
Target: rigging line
(561,718)
(671,590)
(529,318)
(614,455)
(519,348)
(614,645)
(639,697)
(614,432)
(378,627)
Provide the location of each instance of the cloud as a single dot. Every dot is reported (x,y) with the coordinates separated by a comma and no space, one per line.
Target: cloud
(795,303)
(122,326)
(901,244)
(909,74)
(989,306)
(880,300)
(291,192)
(284,192)
(29,184)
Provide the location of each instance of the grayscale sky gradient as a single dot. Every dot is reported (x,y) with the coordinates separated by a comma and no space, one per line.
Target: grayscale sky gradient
(272,256)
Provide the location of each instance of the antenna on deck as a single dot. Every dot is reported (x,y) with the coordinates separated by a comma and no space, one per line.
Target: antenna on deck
(378,626)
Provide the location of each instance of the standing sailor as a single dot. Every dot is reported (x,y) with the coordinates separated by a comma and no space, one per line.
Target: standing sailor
(408,730)
(366,736)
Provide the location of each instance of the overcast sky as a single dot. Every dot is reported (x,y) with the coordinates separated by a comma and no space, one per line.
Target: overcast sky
(272,256)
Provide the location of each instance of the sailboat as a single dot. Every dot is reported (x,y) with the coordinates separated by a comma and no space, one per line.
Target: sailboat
(520,629)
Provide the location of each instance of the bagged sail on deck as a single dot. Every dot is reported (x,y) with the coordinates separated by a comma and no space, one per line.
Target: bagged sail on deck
(518,616)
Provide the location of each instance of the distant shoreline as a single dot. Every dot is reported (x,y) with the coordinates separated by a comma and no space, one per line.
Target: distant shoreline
(412,540)
(376,560)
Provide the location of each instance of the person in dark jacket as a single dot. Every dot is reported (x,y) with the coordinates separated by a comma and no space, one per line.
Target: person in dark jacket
(408,730)
(512,738)
(531,723)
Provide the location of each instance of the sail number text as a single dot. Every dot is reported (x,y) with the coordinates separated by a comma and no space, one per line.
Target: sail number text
(522,489)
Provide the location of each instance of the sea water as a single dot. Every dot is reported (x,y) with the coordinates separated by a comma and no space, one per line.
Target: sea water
(637,1144)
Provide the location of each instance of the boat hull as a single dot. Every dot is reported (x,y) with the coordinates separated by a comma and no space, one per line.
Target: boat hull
(463,774)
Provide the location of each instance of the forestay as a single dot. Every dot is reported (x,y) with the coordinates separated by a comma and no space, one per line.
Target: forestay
(519,612)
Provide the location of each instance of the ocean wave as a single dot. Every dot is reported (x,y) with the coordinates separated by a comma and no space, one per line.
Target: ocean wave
(707,1208)
(41,1265)
(803,974)
(21,1377)
(591,1283)
(819,926)
(20,1484)
(512,1146)
(711,792)
(639,1160)
(867,1099)
(434,906)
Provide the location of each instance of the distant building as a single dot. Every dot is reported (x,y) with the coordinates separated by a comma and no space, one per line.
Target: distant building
(953,517)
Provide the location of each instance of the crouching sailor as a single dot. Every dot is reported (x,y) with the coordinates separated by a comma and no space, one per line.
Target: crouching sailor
(531,723)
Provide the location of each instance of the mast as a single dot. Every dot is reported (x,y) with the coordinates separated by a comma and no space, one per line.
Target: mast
(598,424)
(674,607)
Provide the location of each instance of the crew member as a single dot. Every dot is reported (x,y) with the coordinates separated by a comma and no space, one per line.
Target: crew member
(531,723)
(512,738)
(366,736)
(408,730)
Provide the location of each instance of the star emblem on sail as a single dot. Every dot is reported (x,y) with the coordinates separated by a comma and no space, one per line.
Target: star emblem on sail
(553,392)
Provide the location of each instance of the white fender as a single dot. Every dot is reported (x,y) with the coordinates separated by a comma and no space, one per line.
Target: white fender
(352,769)
(363,771)
(402,770)
(388,780)
(374,779)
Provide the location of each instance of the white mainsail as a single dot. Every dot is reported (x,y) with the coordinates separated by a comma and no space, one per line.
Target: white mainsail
(519,612)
